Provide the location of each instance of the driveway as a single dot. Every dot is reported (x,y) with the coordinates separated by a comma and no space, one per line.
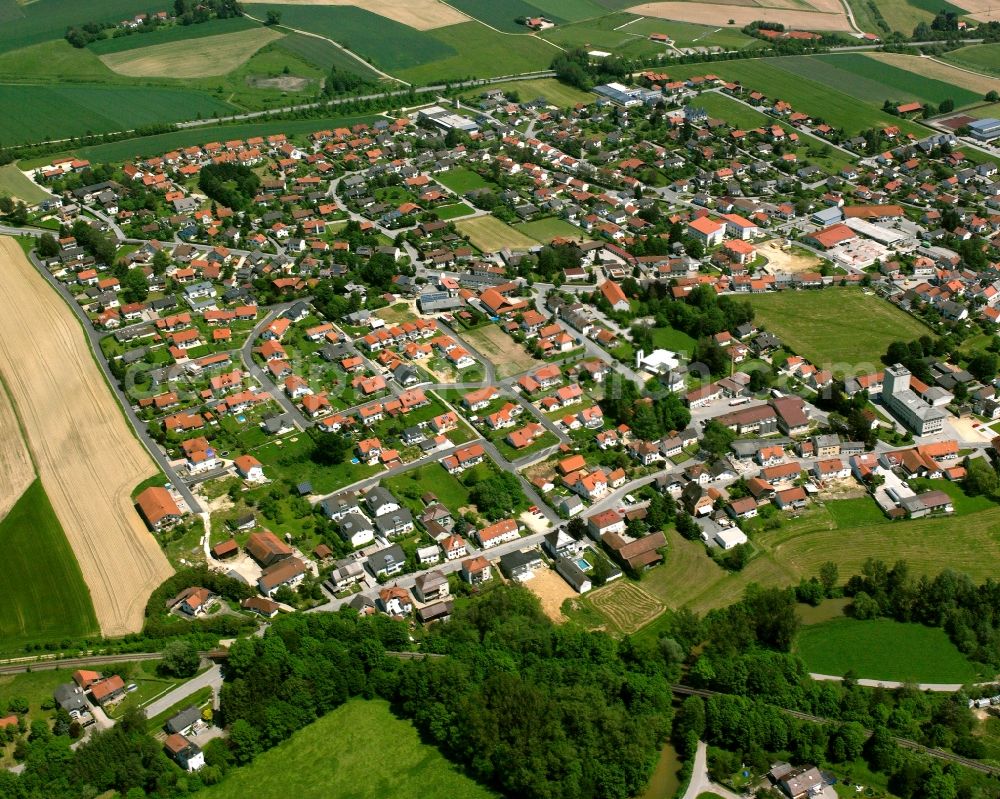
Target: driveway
(210,678)
(700,782)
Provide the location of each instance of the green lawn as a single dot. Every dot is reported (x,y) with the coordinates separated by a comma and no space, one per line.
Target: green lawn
(813,324)
(881,649)
(453,211)
(433,478)
(855,512)
(461,180)
(667,338)
(551,90)
(13,183)
(46,598)
(358,751)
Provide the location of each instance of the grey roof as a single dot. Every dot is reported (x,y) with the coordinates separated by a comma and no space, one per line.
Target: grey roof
(183,720)
(386,558)
(389,522)
(570,572)
(354,523)
(69,697)
(518,560)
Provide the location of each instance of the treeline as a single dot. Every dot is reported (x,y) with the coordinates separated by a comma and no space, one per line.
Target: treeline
(232,185)
(967,612)
(577,68)
(530,708)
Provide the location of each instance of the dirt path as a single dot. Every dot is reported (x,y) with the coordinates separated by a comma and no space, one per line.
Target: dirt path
(88,458)
(17,472)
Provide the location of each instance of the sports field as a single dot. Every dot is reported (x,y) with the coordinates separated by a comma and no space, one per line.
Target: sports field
(86,454)
(45,597)
(544,230)
(191,58)
(882,649)
(361,751)
(48,111)
(816,324)
(489,234)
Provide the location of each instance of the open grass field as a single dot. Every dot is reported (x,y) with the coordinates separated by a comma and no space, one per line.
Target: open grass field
(813,97)
(605,33)
(46,598)
(668,338)
(57,59)
(453,211)
(419,14)
(14,183)
(627,606)
(551,90)
(191,58)
(978,57)
(87,456)
(390,45)
(489,234)
(813,322)
(323,54)
(687,34)
(544,230)
(344,754)
(164,142)
(17,472)
(60,110)
(478,52)
(882,649)
(173,34)
(462,180)
(509,356)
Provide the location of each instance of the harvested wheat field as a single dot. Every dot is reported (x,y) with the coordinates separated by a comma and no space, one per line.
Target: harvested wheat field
(88,458)
(423,15)
(719,14)
(16,469)
(552,590)
(206,57)
(938,70)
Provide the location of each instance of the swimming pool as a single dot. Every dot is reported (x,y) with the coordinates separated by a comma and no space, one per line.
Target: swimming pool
(583,564)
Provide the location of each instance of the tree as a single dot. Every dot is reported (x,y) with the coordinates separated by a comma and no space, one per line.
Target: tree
(983,366)
(330,449)
(273,17)
(992,96)
(829,575)
(48,247)
(161,260)
(980,478)
(135,287)
(180,659)
(716,438)
(244,741)
(947,106)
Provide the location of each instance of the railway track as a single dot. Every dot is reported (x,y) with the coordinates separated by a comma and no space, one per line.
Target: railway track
(905,743)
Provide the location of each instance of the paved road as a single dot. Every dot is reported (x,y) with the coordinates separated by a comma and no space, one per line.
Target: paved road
(138,426)
(212,678)
(935,687)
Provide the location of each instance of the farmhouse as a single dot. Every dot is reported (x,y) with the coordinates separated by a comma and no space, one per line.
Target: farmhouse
(158,507)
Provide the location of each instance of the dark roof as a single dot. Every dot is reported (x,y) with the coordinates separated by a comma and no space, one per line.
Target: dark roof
(183,720)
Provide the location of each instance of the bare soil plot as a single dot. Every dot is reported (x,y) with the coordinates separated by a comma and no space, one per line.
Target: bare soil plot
(720,14)
(16,470)
(509,357)
(779,260)
(627,605)
(423,15)
(88,458)
(194,58)
(552,590)
(938,70)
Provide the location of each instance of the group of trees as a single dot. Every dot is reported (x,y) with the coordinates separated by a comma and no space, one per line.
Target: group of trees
(577,68)
(650,418)
(497,496)
(967,612)
(342,81)
(231,185)
(530,708)
(188,12)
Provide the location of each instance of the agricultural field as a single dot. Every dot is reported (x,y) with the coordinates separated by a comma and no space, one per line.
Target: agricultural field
(86,454)
(17,472)
(344,754)
(173,34)
(501,14)
(46,598)
(35,22)
(806,95)
(938,71)
(544,230)
(903,15)
(422,15)
(324,55)
(882,649)
(977,57)
(390,45)
(509,356)
(48,111)
(814,16)
(813,322)
(55,60)
(191,58)
(479,52)
(489,234)
(611,33)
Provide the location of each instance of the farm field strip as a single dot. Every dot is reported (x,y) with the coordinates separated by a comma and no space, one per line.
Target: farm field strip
(904,82)
(720,15)
(421,15)
(192,58)
(17,472)
(932,68)
(87,456)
